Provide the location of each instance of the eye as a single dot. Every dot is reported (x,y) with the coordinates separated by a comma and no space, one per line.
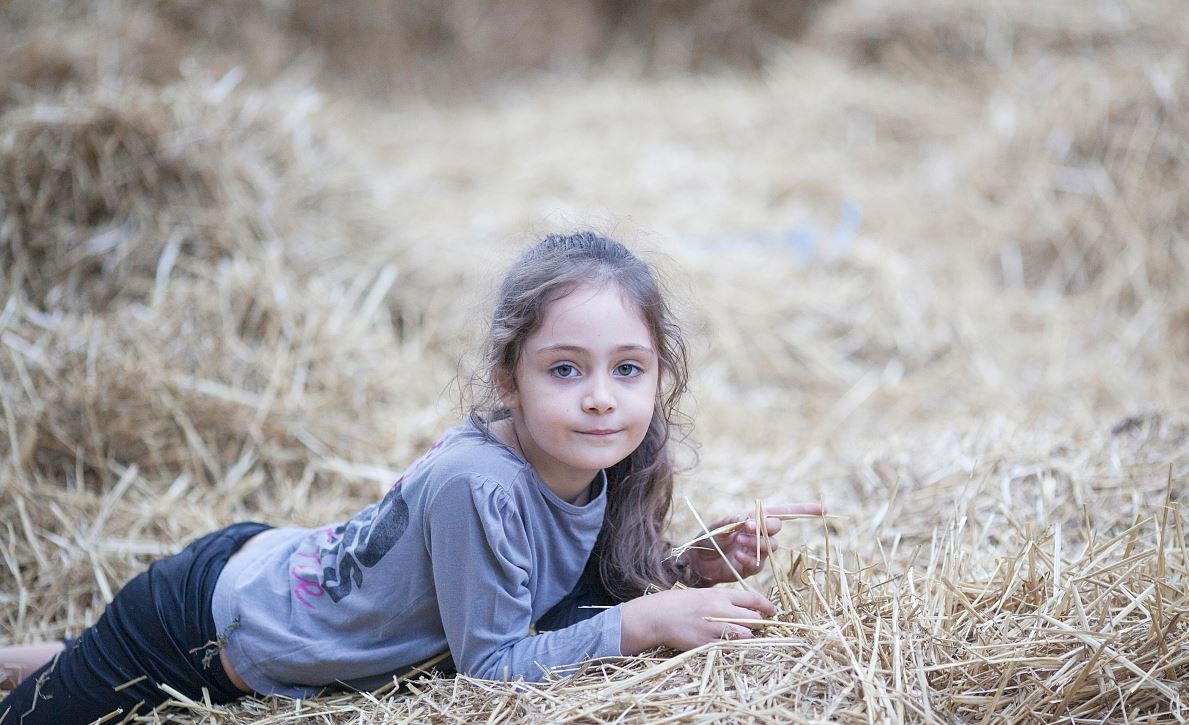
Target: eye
(628,370)
(564,370)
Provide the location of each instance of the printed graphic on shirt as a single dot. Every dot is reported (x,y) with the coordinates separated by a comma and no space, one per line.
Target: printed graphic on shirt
(336,568)
(362,542)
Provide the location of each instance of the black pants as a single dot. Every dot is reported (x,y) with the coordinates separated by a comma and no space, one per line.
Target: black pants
(157,630)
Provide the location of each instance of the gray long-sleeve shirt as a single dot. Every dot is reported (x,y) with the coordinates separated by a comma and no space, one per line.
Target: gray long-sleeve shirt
(465,552)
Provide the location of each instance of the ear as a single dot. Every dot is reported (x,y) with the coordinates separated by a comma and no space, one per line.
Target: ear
(505,385)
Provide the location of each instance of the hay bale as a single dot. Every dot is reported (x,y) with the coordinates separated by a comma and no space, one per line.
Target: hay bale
(43,60)
(947,42)
(83,188)
(105,194)
(448,46)
(248,394)
(380,47)
(710,36)
(250,372)
(445,47)
(1104,198)
(77,43)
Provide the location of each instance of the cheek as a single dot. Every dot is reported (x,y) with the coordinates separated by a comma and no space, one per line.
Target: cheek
(549,408)
(642,414)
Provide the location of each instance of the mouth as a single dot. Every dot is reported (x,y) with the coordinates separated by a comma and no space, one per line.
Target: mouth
(600,432)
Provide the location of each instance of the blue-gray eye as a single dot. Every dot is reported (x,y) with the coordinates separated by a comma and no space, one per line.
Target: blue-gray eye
(628,370)
(564,370)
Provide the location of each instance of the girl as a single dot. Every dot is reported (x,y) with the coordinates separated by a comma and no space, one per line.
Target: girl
(545,507)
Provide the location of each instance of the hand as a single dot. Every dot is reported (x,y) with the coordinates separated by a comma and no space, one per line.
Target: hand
(739,545)
(677,618)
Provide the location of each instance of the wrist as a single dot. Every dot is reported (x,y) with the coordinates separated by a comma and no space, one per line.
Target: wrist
(638,626)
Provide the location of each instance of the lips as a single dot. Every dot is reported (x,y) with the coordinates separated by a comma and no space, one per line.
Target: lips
(600,432)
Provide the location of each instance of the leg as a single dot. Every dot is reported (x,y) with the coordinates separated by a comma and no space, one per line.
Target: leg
(152,632)
(84,681)
(19,661)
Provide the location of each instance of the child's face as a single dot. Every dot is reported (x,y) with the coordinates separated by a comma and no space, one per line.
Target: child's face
(585,387)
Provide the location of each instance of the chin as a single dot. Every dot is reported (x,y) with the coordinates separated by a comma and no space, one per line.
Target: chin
(596,463)
(612,460)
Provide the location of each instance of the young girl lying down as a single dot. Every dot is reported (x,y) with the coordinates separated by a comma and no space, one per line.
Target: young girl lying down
(544,507)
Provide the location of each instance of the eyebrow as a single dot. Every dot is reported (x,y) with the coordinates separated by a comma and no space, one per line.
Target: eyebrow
(579,348)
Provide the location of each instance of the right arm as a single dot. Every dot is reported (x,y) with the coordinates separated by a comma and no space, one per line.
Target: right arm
(480,578)
(675,619)
(479,554)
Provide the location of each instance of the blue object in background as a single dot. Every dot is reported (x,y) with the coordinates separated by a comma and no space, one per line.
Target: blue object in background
(847,229)
(805,239)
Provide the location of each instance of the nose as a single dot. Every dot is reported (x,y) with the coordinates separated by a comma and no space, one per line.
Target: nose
(599,398)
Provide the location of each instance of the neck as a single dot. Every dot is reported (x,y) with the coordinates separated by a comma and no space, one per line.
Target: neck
(568,484)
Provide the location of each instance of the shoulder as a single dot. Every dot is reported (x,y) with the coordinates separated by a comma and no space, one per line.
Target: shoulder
(471,510)
(469,451)
(467,463)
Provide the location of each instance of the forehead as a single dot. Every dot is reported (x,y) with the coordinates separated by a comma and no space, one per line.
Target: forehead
(590,315)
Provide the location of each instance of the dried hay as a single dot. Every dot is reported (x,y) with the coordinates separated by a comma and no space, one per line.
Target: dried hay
(205,320)
(111,192)
(1082,158)
(67,43)
(1053,590)
(440,48)
(464,45)
(863,311)
(973,42)
(44,60)
(248,370)
(1105,201)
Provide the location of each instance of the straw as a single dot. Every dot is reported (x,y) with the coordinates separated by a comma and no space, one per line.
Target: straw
(930,262)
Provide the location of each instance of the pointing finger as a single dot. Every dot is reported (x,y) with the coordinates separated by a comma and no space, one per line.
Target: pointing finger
(808,509)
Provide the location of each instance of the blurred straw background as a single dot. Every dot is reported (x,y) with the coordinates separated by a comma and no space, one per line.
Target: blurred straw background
(932,258)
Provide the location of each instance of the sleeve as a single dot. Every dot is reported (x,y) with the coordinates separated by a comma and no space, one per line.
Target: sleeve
(479,553)
(589,592)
